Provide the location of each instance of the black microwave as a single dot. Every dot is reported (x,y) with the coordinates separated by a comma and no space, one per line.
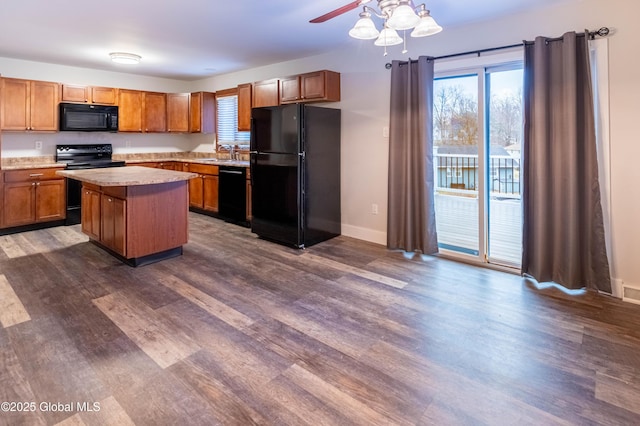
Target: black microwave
(88,118)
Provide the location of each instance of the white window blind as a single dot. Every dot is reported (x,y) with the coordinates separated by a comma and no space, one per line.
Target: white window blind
(227,107)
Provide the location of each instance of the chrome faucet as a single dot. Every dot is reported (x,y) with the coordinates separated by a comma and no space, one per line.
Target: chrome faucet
(232,152)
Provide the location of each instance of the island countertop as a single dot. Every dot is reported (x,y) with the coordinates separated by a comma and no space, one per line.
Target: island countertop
(126,176)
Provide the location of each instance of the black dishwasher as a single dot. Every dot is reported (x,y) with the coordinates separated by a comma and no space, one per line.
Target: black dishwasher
(232,198)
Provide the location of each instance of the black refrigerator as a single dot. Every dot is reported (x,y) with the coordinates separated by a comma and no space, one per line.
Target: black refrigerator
(295,174)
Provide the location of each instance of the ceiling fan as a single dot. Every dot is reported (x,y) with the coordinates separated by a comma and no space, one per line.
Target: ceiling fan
(398,15)
(339,11)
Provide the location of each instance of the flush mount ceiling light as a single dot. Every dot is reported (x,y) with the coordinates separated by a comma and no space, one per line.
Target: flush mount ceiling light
(125,58)
(397,15)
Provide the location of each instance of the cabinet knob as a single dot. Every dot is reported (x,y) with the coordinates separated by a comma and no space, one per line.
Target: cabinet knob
(33,184)
(38,183)
(109,199)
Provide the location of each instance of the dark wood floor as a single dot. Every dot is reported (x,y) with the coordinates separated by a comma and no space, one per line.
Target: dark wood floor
(240,331)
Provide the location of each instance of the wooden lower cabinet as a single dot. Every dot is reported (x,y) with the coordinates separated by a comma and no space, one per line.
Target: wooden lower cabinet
(91,205)
(210,193)
(136,221)
(104,216)
(32,196)
(203,190)
(114,223)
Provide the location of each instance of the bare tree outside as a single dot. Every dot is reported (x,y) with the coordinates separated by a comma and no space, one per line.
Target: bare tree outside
(506,118)
(455,117)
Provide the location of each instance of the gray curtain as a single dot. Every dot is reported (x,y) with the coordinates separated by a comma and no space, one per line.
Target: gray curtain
(411,223)
(563,232)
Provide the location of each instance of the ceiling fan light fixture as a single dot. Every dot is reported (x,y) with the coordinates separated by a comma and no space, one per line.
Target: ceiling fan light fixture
(396,15)
(125,58)
(388,37)
(364,29)
(403,17)
(427,26)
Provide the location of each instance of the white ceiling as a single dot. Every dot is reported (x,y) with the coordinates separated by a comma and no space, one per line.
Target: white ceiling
(193,39)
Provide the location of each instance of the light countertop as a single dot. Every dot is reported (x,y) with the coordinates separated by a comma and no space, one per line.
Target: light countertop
(48,162)
(126,176)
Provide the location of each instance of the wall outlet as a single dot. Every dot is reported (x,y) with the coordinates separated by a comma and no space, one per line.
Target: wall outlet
(38,145)
(374,208)
(385,132)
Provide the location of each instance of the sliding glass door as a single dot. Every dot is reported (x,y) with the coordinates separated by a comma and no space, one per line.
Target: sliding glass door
(477,135)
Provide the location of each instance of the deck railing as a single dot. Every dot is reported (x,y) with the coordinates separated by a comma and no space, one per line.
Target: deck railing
(460,173)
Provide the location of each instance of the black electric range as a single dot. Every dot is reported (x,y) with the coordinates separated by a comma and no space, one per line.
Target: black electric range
(75,157)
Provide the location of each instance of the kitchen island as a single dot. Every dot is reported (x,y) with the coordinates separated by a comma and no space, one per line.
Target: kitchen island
(138,214)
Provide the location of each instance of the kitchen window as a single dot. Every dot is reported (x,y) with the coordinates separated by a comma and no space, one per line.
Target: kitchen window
(227,121)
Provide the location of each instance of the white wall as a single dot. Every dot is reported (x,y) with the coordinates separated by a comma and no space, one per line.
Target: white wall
(365,107)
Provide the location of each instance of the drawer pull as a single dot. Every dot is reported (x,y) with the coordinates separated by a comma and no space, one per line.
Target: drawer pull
(36,174)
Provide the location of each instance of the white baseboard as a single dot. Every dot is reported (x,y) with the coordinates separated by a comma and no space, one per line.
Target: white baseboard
(366,234)
(617,289)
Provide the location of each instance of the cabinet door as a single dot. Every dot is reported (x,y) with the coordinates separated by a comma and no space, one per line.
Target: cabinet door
(320,86)
(312,85)
(195,192)
(130,111)
(44,106)
(91,216)
(155,112)
(14,104)
(178,112)
(104,95)
(195,112)
(19,203)
(114,224)
(202,112)
(74,93)
(266,93)
(244,107)
(210,193)
(50,200)
(289,90)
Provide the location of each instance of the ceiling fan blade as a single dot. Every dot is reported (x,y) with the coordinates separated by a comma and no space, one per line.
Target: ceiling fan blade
(338,11)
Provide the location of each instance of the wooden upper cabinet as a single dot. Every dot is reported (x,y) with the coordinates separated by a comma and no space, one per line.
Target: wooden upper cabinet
(29,105)
(104,95)
(244,107)
(155,112)
(74,93)
(266,93)
(89,94)
(289,89)
(318,86)
(178,112)
(202,112)
(130,110)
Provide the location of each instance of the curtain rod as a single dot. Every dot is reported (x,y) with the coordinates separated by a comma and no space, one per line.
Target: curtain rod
(602,32)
